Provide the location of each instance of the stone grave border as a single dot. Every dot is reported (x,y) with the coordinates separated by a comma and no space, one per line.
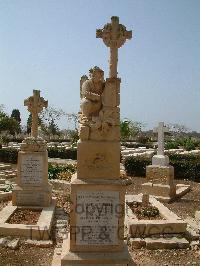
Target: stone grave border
(138,228)
(181,190)
(39,231)
(5,195)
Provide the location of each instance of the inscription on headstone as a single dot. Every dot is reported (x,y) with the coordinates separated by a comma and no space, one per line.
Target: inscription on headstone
(31,170)
(97,217)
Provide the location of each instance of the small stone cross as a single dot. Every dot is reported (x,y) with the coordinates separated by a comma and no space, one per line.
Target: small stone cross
(114,35)
(35,105)
(161,130)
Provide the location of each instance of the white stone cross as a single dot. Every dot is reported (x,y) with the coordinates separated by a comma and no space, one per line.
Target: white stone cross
(161,130)
(114,35)
(35,105)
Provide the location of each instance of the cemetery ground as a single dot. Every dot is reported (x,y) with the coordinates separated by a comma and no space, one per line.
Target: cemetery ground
(25,253)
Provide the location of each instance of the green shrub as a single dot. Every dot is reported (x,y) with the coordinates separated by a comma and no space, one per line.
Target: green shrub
(187,143)
(64,172)
(136,145)
(63,153)
(9,155)
(136,166)
(172,145)
(185,166)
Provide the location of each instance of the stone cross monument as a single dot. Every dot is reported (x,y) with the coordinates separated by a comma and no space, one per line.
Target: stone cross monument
(160,158)
(114,35)
(97,232)
(35,105)
(161,130)
(32,187)
(160,175)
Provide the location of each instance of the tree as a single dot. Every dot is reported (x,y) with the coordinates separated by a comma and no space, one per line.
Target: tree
(129,129)
(73,117)
(2,113)
(178,129)
(29,123)
(9,124)
(16,115)
(48,117)
(50,129)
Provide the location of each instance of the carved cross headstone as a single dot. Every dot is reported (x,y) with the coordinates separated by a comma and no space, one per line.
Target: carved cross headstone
(114,35)
(161,130)
(35,105)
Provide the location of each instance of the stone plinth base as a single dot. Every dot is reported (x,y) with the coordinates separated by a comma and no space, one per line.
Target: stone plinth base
(165,193)
(97,215)
(98,159)
(121,258)
(34,196)
(159,189)
(33,188)
(160,160)
(160,174)
(160,183)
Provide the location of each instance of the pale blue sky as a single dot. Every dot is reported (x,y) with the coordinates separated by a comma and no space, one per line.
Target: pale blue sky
(49,44)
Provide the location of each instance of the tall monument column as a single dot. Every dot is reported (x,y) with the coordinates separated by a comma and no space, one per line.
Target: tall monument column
(97,194)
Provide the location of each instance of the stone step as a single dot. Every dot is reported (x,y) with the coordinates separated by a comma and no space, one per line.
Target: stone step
(39,243)
(162,243)
(159,243)
(2,181)
(191,234)
(197,216)
(2,187)
(5,166)
(2,175)
(193,224)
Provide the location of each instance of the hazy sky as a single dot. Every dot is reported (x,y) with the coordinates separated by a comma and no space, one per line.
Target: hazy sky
(50,44)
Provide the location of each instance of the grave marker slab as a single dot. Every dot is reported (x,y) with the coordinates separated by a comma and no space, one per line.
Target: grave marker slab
(32,187)
(160,175)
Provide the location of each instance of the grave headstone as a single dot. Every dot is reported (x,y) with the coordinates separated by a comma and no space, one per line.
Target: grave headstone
(160,159)
(32,187)
(97,193)
(160,175)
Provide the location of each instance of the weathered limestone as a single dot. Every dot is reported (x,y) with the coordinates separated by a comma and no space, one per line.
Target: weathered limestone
(160,159)
(39,231)
(160,175)
(97,193)
(197,216)
(149,233)
(98,159)
(32,187)
(32,190)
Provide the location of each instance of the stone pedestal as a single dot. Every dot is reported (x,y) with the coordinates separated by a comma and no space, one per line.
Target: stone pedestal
(98,159)
(97,224)
(106,258)
(160,160)
(160,181)
(32,187)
